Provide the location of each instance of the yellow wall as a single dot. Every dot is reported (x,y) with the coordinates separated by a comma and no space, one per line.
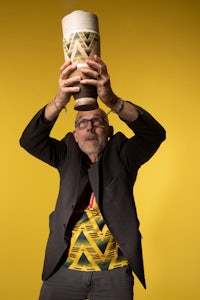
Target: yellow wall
(151,48)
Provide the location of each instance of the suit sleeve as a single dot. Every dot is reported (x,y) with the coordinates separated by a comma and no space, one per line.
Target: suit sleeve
(148,135)
(37,141)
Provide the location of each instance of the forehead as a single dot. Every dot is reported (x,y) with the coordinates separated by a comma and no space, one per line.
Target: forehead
(90,114)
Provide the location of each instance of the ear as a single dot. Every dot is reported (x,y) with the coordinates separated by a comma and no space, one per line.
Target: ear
(111,130)
(75,135)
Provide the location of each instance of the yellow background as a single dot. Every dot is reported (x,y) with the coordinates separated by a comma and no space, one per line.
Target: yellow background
(151,49)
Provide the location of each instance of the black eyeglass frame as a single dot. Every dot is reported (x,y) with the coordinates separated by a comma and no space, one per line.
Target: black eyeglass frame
(102,120)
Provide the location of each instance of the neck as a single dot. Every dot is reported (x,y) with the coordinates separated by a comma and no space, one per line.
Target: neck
(94,157)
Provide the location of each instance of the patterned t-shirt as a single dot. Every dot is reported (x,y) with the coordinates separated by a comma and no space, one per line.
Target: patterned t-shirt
(92,246)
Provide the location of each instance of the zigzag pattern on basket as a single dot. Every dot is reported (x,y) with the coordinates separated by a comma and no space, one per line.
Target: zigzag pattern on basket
(80,45)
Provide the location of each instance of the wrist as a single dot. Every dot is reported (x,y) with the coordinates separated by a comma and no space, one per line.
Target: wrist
(112,101)
(59,107)
(116,104)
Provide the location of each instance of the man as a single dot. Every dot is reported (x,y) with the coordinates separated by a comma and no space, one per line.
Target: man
(94,242)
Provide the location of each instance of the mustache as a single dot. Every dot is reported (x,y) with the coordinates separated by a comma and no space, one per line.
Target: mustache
(91,136)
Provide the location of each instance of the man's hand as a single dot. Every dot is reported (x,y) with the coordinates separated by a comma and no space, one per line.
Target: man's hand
(99,77)
(66,84)
(66,87)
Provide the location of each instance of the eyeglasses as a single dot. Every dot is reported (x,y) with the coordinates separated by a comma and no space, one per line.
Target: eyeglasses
(96,122)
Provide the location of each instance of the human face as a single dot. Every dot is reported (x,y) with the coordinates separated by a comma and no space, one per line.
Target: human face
(93,137)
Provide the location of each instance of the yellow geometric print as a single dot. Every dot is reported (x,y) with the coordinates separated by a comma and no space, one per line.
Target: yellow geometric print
(92,246)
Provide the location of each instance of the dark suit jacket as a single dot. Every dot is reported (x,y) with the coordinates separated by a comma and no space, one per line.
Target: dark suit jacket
(111,179)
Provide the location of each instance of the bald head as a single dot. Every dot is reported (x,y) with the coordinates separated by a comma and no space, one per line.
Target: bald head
(96,112)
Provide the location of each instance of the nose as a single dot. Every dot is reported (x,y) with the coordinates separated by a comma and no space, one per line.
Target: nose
(90,126)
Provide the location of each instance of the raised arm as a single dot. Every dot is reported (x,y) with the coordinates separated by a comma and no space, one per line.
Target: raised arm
(148,132)
(100,78)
